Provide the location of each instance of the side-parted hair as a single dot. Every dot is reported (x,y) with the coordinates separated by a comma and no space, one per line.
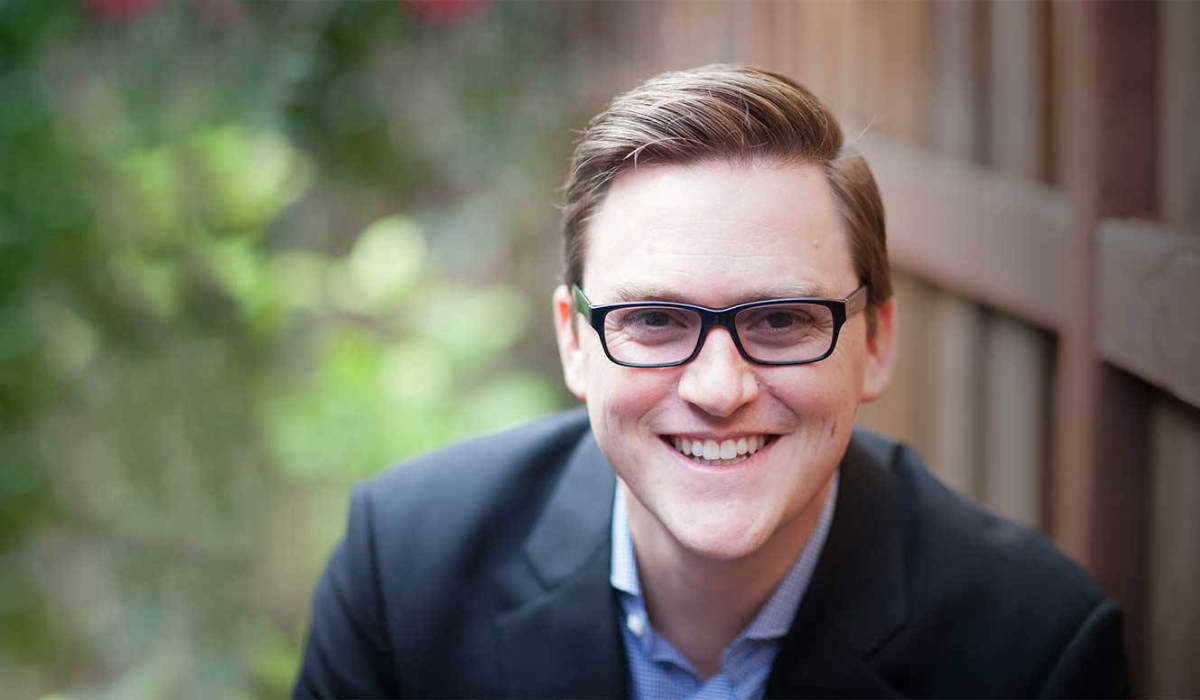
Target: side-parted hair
(726,112)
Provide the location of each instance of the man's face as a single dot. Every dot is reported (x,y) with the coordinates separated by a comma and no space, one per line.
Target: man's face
(719,234)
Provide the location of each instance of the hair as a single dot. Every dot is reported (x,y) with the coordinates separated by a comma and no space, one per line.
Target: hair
(726,112)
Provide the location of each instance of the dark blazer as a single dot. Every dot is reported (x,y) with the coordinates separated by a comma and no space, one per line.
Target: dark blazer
(482,570)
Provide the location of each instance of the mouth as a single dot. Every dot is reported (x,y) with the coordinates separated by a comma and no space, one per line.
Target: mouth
(718,453)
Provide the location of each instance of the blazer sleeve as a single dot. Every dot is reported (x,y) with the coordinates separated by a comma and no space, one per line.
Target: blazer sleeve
(1093,665)
(347,653)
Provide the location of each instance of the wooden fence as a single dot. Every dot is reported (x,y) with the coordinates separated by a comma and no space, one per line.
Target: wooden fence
(1040,165)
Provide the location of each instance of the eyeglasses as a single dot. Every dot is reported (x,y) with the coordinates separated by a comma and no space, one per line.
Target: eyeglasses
(769,332)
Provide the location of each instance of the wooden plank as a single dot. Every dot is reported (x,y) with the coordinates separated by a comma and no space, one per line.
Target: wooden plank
(1108,82)
(1173,598)
(957,328)
(787,28)
(904,411)
(1148,321)
(1015,379)
(1120,502)
(1174,561)
(1076,133)
(956,117)
(1097,488)
(862,61)
(993,238)
(820,65)
(1179,105)
(754,36)
(1017,367)
(892,95)
(1018,127)
(907,58)
(636,27)
(692,34)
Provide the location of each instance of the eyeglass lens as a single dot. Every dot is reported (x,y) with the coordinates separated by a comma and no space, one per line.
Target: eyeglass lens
(788,332)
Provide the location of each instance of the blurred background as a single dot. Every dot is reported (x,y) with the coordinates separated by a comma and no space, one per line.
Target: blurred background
(252,252)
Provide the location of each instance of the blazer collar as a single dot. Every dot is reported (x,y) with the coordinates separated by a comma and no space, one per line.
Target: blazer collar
(858,597)
(563,637)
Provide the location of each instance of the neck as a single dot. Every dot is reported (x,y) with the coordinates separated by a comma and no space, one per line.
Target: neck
(699,603)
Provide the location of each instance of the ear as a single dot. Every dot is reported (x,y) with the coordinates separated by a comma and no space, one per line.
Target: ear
(572,356)
(881,352)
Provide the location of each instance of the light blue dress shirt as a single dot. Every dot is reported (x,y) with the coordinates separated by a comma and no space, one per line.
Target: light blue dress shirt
(658,670)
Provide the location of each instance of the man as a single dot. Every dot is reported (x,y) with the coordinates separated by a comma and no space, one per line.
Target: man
(712,526)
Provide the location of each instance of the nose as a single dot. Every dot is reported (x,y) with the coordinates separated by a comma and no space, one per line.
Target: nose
(719,381)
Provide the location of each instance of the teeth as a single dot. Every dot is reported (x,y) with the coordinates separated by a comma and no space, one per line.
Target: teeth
(720,453)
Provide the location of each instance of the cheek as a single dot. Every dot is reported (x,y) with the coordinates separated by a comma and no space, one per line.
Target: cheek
(620,397)
(816,393)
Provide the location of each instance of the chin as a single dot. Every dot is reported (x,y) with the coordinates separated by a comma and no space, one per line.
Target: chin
(721,541)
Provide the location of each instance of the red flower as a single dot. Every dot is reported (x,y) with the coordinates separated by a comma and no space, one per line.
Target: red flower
(118,10)
(446,11)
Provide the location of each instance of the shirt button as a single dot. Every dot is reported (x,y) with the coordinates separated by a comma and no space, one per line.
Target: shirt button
(636,624)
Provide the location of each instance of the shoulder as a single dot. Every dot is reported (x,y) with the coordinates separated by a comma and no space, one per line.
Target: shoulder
(464,484)
(409,587)
(966,546)
(990,597)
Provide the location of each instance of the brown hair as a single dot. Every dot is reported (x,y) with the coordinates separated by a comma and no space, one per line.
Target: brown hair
(725,112)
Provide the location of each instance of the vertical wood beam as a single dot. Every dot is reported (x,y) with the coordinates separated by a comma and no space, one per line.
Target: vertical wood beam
(1016,372)
(861,62)
(756,39)
(959,79)
(1019,86)
(1174,566)
(904,410)
(787,27)
(907,58)
(958,344)
(891,95)
(1179,105)
(1108,130)
(1173,598)
(1017,357)
(821,65)
(957,128)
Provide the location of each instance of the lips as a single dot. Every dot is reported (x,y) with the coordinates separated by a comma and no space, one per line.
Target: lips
(722,452)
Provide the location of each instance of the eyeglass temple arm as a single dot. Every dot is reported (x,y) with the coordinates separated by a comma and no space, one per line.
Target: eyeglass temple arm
(582,305)
(857,301)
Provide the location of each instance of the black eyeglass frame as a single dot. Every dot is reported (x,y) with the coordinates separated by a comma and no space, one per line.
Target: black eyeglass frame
(842,310)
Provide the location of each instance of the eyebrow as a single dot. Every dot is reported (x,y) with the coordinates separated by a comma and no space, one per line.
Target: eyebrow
(625,293)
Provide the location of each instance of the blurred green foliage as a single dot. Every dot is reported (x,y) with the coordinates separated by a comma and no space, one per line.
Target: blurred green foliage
(248,254)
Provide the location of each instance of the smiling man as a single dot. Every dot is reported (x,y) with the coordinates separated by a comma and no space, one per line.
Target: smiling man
(712,526)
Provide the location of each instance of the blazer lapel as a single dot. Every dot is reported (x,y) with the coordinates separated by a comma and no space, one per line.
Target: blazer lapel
(858,598)
(562,639)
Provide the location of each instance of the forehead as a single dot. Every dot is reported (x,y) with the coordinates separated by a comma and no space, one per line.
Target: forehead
(718,233)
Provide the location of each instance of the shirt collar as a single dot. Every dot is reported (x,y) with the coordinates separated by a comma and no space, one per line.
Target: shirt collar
(775,617)
(624,575)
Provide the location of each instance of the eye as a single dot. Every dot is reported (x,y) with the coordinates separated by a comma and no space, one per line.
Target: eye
(790,319)
(650,318)
(785,323)
(651,323)
(782,320)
